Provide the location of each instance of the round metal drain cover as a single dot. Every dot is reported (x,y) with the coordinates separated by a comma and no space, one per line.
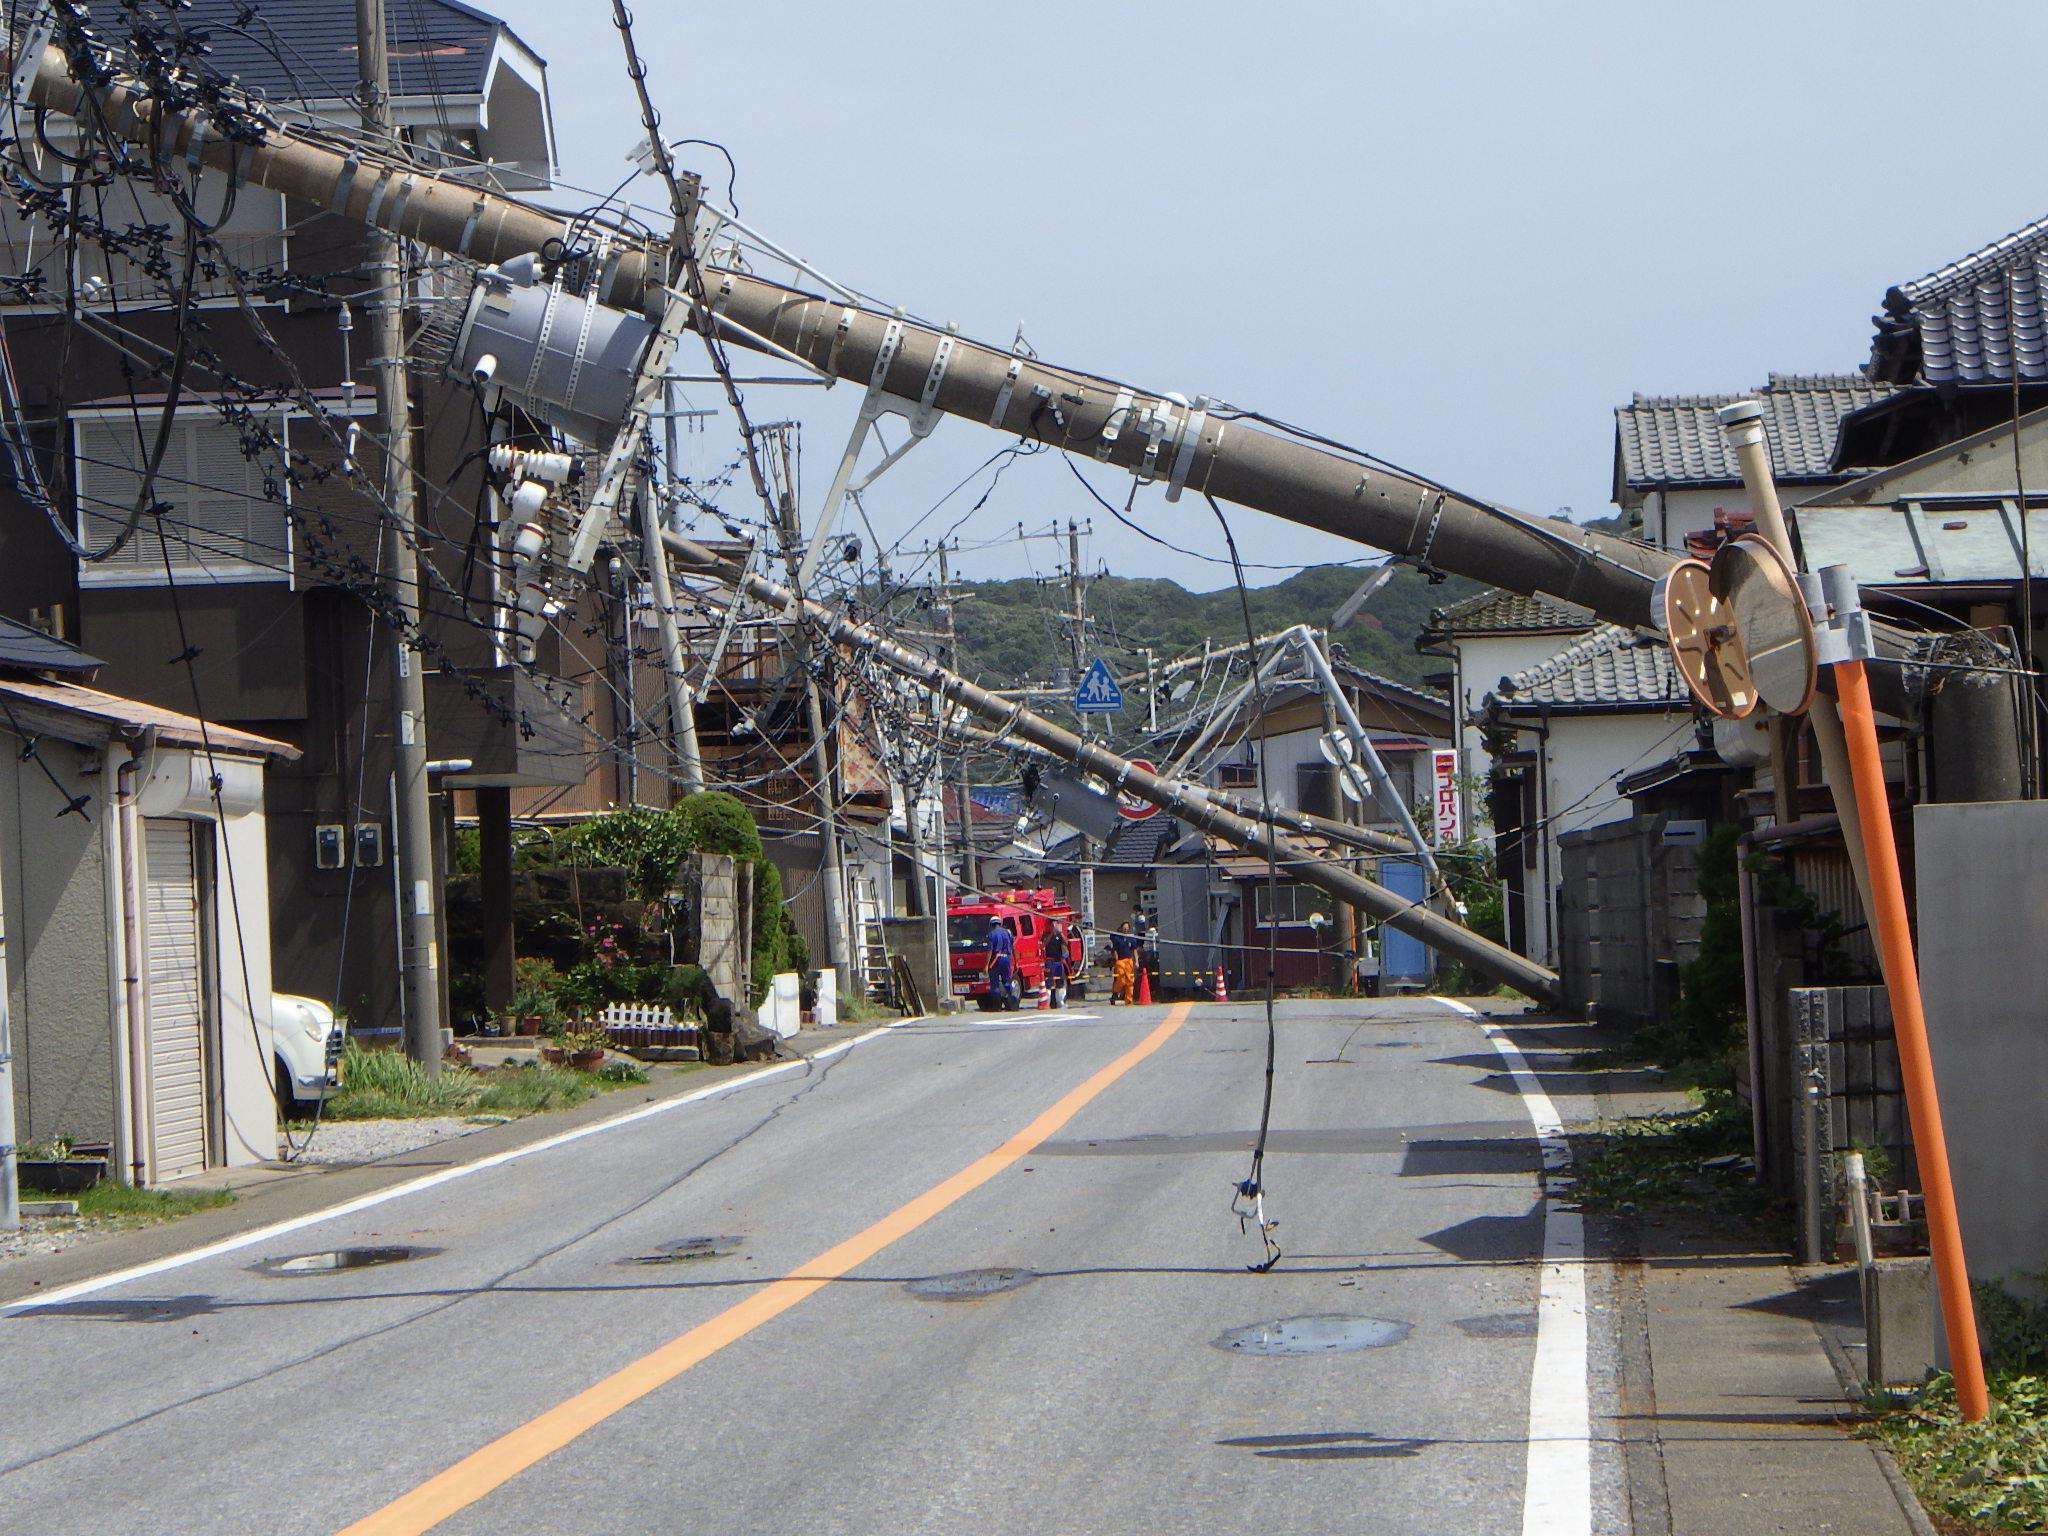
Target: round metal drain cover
(1325,1334)
(970,1284)
(687,1249)
(335,1259)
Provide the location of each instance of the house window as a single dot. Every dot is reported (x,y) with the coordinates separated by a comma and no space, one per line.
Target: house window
(1238,776)
(218,526)
(1289,905)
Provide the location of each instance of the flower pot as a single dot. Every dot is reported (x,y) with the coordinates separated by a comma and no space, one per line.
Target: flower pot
(553,1055)
(587,1060)
(61,1176)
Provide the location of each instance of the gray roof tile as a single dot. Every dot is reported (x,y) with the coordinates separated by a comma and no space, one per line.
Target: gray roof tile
(1676,440)
(1612,668)
(1966,322)
(1498,611)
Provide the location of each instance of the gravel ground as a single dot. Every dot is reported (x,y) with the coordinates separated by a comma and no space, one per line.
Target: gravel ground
(45,1235)
(365,1141)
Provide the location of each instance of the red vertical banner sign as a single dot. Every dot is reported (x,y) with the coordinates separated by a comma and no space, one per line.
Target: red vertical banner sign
(1447,809)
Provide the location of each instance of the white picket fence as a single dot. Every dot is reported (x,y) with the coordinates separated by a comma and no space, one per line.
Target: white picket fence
(637,1016)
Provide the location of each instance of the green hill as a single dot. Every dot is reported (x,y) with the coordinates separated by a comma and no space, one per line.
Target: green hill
(1013,632)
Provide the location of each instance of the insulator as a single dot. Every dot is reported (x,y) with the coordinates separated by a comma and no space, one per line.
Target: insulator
(529,541)
(527,498)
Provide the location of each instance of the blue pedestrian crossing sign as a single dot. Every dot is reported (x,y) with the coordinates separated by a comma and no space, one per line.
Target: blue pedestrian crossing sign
(1098,693)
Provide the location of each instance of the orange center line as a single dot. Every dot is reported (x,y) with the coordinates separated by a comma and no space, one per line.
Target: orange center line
(497,1463)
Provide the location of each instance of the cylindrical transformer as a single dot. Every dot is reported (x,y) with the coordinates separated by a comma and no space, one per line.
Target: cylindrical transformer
(564,359)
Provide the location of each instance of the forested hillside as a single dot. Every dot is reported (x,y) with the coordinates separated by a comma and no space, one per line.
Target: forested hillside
(1012,631)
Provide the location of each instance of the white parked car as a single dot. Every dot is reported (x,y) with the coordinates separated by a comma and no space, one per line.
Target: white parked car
(307,1039)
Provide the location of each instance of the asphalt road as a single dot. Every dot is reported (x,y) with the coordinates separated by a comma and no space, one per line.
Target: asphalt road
(529,1371)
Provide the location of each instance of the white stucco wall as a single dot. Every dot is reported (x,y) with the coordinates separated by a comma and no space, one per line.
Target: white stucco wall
(1582,758)
(1481,662)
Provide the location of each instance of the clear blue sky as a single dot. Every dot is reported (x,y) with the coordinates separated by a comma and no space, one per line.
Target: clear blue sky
(1457,234)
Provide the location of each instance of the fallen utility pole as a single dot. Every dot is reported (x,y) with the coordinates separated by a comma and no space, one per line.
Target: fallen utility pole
(1204,446)
(419,960)
(1191,803)
(1077,647)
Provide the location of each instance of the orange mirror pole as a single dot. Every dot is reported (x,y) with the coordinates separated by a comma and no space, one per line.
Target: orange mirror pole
(1909,1020)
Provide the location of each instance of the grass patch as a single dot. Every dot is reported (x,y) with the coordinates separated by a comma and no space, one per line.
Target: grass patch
(1690,1159)
(385,1085)
(1991,1475)
(858,1010)
(109,1201)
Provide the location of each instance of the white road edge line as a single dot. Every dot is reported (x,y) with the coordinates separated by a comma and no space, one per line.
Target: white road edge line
(278,1229)
(1557,1494)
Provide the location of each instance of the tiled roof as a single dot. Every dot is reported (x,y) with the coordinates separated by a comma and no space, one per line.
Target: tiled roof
(1612,668)
(293,50)
(1675,440)
(24,648)
(1140,843)
(1965,323)
(1500,612)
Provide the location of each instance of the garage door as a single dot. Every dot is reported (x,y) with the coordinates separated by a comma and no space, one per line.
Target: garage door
(177,1006)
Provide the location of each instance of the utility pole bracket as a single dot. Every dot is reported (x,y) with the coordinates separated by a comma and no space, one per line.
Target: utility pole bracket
(921,415)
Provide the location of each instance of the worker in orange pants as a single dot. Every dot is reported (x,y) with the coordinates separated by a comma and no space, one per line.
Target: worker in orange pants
(1123,948)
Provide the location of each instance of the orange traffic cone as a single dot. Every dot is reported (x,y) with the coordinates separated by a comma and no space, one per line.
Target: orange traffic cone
(1045,995)
(1144,987)
(1221,995)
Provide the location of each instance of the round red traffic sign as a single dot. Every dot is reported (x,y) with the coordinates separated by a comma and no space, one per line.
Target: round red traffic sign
(1128,804)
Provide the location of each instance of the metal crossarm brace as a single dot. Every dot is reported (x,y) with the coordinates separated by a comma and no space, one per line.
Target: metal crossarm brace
(922,414)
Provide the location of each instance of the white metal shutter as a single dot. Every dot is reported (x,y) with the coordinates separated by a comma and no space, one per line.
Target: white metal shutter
(220,523)
(177,1010)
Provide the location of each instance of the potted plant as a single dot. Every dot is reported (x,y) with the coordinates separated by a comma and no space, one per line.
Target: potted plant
(585,1047)
(537,996)
(61,1166)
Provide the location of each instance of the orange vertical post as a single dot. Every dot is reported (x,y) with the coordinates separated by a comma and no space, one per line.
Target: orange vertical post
(1909,1024)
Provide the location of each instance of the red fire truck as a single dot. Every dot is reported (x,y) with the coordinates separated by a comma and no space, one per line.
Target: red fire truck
(1037,917)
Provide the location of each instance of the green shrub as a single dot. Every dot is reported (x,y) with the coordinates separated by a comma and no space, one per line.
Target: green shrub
(715,822)
(647,843)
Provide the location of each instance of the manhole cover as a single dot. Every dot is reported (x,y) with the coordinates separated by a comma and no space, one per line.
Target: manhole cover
(341,1258)
(1327,1334)
(970,1284)
(1500,1325)
(689,1248)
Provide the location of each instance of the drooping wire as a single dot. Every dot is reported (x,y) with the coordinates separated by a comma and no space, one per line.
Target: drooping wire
(1248,1198)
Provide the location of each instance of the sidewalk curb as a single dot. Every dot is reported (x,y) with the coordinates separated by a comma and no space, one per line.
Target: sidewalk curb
(1852,1390)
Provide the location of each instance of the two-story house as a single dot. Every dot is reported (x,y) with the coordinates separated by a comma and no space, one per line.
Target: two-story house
(246,587)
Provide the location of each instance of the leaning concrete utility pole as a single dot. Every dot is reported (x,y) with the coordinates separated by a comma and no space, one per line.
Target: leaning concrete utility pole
(419,956)
(1077,646)
(1190,802)
(970,874)
(682,709)
(840,946)
(1205,446)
